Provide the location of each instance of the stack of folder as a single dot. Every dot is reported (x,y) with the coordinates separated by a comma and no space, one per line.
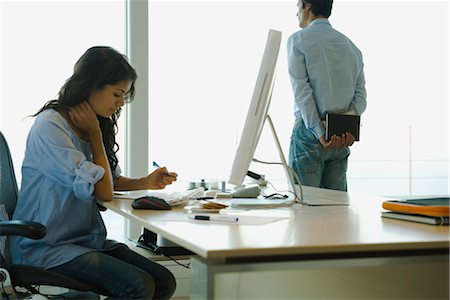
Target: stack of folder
(434,211)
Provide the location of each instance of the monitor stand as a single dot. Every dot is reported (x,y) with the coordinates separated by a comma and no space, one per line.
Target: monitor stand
(324,198)
(296,195)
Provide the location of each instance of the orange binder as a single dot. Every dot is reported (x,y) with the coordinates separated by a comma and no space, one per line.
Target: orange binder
(437,207)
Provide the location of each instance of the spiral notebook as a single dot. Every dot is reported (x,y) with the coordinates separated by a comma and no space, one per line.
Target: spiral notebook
(416,218)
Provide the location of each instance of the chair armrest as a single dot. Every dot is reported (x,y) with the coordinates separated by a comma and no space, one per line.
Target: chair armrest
(29,229)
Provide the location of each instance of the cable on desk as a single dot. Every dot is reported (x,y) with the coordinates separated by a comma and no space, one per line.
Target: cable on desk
(299,197)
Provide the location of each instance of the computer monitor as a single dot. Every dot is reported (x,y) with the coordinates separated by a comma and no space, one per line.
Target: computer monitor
(257,115)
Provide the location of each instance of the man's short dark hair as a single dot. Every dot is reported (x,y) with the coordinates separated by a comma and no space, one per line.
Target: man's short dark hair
(320,7)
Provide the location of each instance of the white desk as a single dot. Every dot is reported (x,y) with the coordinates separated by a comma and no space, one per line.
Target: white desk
(318,252)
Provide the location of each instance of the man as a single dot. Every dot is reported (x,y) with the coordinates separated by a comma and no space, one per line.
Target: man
(326,72)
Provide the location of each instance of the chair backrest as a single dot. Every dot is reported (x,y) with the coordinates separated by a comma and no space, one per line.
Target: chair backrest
(8,183)
(8,193)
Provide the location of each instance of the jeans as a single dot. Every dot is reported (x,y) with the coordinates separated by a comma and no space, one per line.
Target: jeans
(315,165)
(122,272)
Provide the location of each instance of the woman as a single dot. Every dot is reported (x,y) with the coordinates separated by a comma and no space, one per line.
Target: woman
(70,162)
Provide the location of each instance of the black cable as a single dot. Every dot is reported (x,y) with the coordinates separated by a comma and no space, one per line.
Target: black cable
(155,249)
(275,194)
(178,263)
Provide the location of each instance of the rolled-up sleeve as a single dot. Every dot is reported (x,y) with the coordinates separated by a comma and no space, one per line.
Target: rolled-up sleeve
(85,179)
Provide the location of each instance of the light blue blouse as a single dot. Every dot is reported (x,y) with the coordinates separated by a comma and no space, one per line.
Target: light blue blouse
(58,178)
(326,72)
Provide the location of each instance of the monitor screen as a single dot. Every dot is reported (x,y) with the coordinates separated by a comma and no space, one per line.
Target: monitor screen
(257,111)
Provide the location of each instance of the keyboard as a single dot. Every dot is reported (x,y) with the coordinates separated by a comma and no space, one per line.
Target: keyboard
(179,198)
(173,199)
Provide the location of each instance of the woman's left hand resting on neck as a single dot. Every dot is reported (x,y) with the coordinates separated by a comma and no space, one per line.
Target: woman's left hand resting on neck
(84,119)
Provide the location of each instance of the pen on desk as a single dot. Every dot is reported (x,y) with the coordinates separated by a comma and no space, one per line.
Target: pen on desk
(214,218)
(202,198)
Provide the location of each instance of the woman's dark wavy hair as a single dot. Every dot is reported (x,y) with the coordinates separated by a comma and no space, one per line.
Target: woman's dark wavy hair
(97,67)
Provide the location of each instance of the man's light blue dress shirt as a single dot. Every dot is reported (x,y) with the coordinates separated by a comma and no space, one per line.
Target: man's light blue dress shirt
(58,178)
(326,72)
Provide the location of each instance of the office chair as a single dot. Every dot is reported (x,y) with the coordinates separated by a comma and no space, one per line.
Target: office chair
(25,276)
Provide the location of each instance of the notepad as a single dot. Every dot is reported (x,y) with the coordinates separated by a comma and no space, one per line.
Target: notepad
(337,124)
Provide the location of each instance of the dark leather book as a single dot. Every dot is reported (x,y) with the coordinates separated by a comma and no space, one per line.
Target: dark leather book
(337,124)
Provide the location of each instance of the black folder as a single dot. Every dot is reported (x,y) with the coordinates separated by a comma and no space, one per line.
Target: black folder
(337,124)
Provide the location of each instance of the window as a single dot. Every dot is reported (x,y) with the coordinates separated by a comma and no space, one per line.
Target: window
(202,71)
(203,61)
(40,43)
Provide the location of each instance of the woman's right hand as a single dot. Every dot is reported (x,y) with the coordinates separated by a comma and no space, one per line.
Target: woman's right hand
(158,179)
(84,118)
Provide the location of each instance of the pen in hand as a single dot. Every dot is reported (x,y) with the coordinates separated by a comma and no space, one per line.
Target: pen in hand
(155,164)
